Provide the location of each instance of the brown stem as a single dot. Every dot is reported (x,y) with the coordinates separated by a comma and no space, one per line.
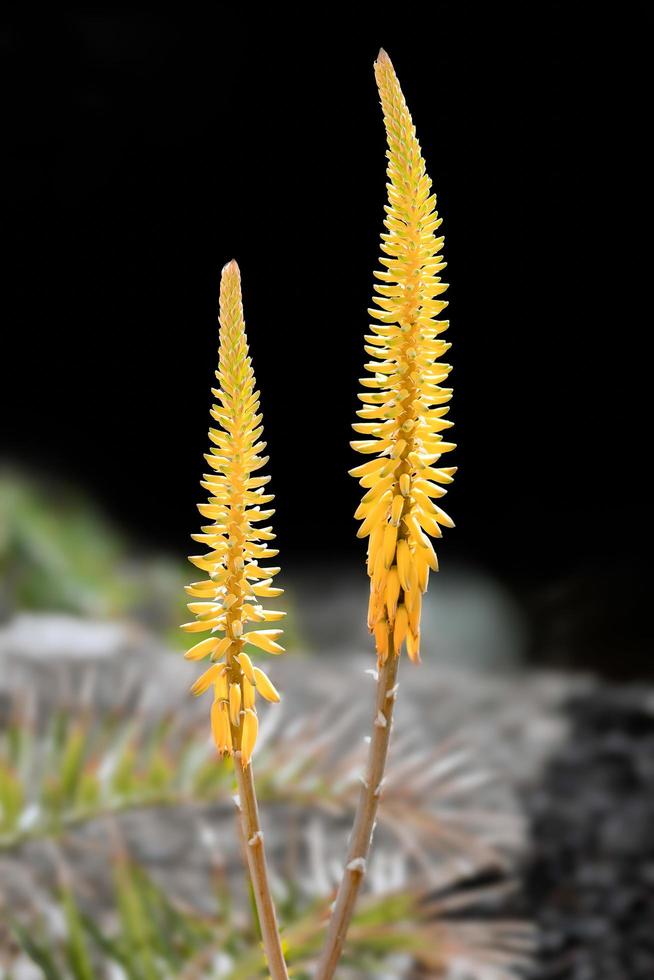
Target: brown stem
(364,821)
(256,859)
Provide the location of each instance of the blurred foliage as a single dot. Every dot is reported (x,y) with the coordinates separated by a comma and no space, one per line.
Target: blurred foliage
(67,768)
(153,937)
(59,771)
(59,553)
(74,769)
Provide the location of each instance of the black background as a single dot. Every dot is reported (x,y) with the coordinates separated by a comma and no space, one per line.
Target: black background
(148,148)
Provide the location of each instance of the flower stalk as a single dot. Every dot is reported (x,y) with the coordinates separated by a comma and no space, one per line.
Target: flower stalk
(403,419)
(364,821)
(227,601)
(256,860)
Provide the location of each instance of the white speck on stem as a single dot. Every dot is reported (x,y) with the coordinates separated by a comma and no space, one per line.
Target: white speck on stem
(392,694)
(256,838)
(364,782)
(237,801)
(373,673)
(357,864)
(379,786)
(380,720)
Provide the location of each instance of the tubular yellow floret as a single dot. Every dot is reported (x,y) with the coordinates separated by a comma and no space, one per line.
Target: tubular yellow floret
(265,686)
(250,731)
(404,402)
(228,599)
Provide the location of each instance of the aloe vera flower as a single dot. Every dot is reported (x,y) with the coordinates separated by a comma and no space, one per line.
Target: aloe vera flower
(227,602)
(405,405)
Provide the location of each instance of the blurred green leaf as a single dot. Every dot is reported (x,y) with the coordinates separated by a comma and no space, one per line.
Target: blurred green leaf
(79,957)
(11,798)
(38,952)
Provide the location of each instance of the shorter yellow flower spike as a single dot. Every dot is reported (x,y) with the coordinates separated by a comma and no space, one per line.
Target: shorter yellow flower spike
(227,602)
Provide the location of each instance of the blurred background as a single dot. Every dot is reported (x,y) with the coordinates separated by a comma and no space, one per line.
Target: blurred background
(144,150)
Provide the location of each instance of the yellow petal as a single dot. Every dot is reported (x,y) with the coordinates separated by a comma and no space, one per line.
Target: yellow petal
(415,610)
(396,509)
(249,736)
(235,704)
(443,518)
(220,729)
(246,665)
(404,564)
(265,591)
(265,687)
(381,640)
(205,680)
(422,568)
(202,649)
(378,513)
(220,687)
(390,540)
(400,628)
(370,467)
(264,639)
(413,646)
(249,694)
(196,627)
(392,592)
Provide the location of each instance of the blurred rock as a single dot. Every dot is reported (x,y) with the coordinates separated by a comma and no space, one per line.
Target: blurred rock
(468,621)
(589,874)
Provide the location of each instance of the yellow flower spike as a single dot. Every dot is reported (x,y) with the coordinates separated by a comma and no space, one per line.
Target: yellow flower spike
(237,548)
(235,572)
(405,410)
(403,421)
(265,686)
(249,737)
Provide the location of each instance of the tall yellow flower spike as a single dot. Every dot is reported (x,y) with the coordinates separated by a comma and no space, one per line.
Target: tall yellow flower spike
(228,598)
(404,403)
(403,418)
